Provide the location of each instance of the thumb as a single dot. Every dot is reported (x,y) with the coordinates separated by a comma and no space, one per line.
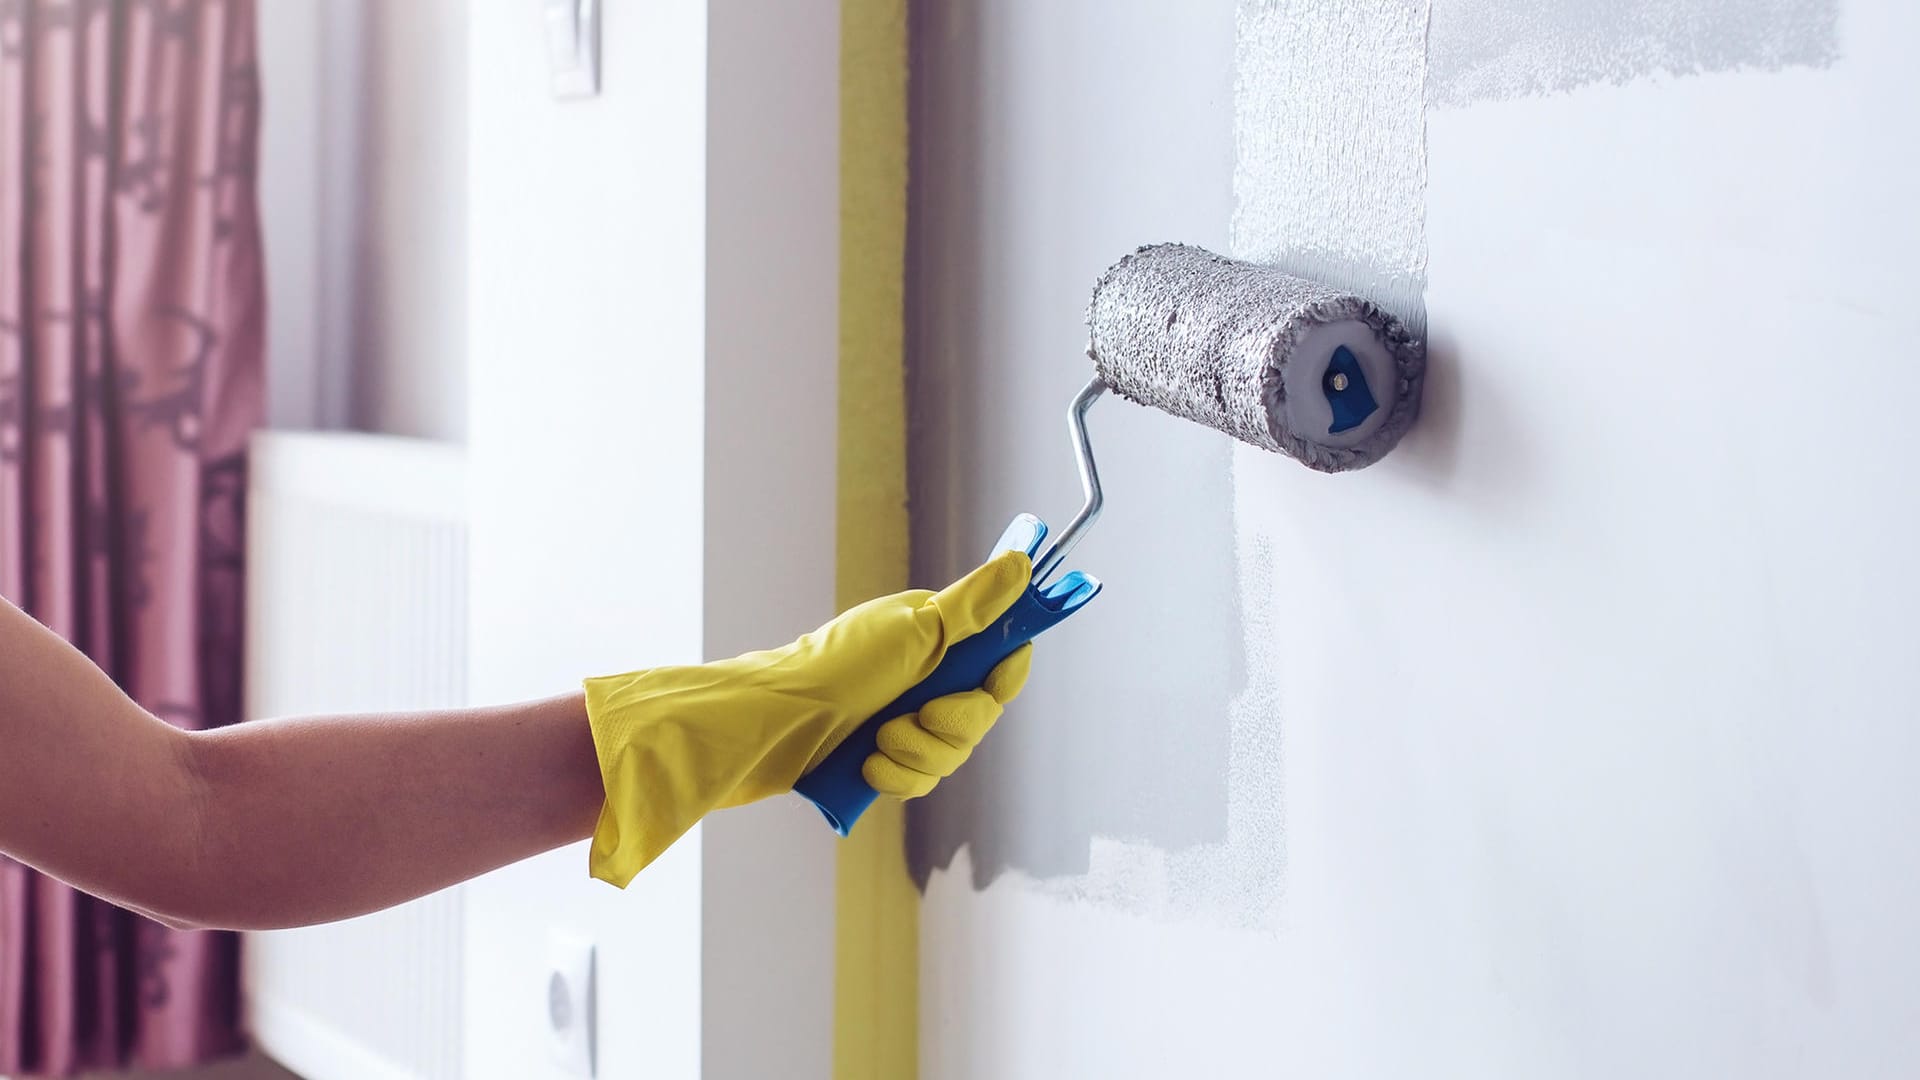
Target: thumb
(971,604)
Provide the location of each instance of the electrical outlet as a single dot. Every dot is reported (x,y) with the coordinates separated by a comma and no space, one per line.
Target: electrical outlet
(570,1002)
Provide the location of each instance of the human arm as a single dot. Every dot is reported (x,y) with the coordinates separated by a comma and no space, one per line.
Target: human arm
(289,822)
(278,822)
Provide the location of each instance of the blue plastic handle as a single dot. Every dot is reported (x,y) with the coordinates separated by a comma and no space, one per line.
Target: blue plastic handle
(837,787)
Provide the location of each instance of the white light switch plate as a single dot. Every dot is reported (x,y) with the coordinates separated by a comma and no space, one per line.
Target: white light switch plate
(573,46)
(569,999)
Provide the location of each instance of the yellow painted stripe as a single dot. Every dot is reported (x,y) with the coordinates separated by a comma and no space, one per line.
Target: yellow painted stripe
(877,977)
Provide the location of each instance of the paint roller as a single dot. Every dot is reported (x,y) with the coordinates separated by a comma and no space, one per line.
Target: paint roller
(1281,362)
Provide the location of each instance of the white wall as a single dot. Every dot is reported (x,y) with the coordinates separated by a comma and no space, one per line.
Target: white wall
(651,324)
(1573,739)
(410,268)
(291,158)
(586,321)
(363,200)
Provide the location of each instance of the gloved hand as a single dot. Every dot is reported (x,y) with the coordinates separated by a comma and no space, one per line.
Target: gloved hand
(675,743)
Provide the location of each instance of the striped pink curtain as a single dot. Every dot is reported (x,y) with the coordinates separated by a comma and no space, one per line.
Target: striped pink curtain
(131,333)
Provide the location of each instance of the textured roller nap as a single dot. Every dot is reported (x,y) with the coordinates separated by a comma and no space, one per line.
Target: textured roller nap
(1208,338)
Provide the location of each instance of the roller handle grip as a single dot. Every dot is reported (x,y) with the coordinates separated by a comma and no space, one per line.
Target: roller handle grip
(836,785)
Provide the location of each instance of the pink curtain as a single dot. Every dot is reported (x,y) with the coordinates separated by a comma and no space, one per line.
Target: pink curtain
(131,332)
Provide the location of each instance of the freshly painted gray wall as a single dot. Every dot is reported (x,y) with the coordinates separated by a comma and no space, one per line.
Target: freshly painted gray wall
(1575,739)
(1050,140)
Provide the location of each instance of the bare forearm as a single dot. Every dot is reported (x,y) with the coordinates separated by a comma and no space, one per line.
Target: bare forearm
(277,823)
(310,820)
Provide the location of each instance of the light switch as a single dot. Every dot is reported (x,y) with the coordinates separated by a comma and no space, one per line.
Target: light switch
(573,46)
(570,1003)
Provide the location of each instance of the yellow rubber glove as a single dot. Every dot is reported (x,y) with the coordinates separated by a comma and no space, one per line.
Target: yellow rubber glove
(675,743)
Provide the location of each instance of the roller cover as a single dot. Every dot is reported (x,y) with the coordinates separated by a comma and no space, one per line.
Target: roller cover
(1278,361)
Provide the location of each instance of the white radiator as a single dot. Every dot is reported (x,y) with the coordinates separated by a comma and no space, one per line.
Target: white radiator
(356,602)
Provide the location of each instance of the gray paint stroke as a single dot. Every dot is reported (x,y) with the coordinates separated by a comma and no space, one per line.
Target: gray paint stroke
(1489,50)
(1049,140)
(1143,768)
(1330,172)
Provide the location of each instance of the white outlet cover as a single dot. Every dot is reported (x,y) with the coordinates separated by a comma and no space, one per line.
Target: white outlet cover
(569,1000)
